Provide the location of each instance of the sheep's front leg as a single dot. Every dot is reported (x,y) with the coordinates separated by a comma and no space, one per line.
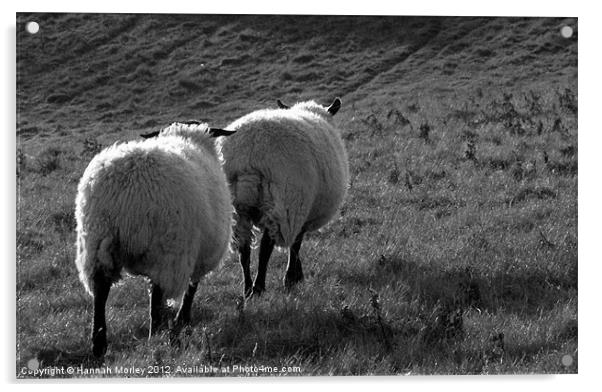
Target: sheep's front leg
(101,289)
(156,309)
(245,262)
(294,272)
(183,316)
(265,251)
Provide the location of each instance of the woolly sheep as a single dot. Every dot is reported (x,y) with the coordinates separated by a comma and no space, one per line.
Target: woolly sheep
(159,208)
(288,174)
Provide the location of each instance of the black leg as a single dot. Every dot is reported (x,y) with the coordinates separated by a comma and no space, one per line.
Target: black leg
(101,288)
(265,251)
(156,309)
(245,262)
(294,272)
(183,316)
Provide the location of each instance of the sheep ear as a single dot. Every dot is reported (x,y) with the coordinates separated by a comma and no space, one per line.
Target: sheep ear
(190,122)
(335,106)
(149,135)
(282,105)
(217,132)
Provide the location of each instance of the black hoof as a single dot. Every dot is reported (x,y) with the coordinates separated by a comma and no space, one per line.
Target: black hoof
(292,280)
(99,350)
(174,336)
(99,344)
(256,292)
(157,327)
(182,319)
(153,331)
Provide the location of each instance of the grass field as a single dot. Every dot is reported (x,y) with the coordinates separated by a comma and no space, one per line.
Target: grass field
(454,253)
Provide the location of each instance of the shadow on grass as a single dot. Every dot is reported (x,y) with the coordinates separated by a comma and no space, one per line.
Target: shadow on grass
(427,336)
(519,291)
(428,330)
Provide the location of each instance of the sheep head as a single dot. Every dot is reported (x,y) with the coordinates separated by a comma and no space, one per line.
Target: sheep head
(332,109)
(217,132)
(212,132)
(312,106)
(150,135)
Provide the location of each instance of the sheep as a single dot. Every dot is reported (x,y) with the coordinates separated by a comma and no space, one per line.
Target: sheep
(160,208)
(288,174)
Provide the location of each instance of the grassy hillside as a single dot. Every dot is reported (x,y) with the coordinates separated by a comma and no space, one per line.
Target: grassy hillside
(455,251)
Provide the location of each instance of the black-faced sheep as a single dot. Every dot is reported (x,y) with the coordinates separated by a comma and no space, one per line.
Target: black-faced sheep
(159,208)
(288,174)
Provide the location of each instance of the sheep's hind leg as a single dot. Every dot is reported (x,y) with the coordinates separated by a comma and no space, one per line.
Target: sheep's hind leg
(265,251)
(242,237)
(156,309)
(102,286)
(294,272)
(183,316)
(245,262)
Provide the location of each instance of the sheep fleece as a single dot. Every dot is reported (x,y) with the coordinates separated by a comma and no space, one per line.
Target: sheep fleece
(291,164)
(159,208)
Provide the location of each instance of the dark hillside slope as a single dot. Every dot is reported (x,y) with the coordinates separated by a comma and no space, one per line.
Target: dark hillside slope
(135,71)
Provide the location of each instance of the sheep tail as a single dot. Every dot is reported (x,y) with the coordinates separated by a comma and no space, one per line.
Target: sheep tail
(97,257)
(242,234)
(246,194)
